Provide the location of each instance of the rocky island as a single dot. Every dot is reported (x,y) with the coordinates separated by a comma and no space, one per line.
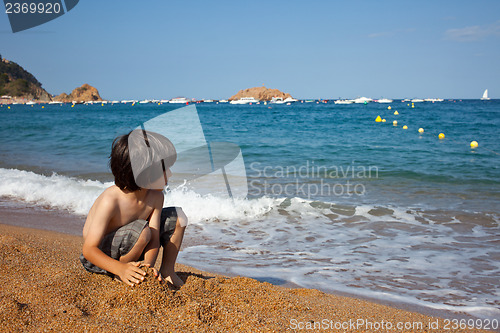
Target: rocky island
(260,93)
(85,93)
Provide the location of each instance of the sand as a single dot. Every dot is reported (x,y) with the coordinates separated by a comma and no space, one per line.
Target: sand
(45,288)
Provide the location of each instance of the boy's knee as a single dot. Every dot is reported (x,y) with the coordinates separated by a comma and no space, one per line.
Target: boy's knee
(182,219)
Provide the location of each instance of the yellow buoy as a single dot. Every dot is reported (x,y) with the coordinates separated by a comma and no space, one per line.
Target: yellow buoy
(389,107)
(420,130)
(441,136)
(396,112)
(8,107)
(378,119)
(72,105)
(395,123)
(474,144)
(383,120)
(43,107)
(405,127)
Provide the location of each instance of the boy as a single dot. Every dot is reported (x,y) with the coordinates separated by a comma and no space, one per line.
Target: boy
(127,223)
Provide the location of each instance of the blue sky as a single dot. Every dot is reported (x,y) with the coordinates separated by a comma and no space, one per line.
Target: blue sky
(311,49)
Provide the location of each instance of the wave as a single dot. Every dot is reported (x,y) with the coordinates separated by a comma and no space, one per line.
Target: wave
(77,196)
(55,191)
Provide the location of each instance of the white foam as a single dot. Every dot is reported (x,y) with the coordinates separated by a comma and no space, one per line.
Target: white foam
(55,191)
(202,208)
(362,210)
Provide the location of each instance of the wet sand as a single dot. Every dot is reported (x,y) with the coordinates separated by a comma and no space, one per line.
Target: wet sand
(44,287)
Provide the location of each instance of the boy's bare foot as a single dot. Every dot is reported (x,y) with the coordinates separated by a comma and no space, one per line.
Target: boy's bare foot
(173,278)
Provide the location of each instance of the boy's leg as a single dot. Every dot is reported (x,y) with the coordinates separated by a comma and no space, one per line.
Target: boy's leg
(122,244)
(171,249)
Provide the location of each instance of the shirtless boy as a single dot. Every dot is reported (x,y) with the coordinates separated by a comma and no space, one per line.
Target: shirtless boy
(127,223)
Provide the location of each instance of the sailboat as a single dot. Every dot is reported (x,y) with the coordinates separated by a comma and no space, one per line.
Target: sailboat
(485,96)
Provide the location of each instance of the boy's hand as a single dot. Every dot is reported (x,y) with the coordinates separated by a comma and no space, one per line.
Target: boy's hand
(157,275)
(131,273)
(155,272)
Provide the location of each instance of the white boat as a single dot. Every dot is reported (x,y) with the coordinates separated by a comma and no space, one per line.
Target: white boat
(146,101)
(362,100)
(55,102)
(277,100)
(433,100)
(344,101)
(384,100)
(485,96)
(179,100)
(208,101)
(223,101)
(245,100)
(290,100)
(30,103)
(417,100)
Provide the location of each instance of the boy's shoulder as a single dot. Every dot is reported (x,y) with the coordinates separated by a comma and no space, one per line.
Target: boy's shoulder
(109,197)
(114,194)
(156,197)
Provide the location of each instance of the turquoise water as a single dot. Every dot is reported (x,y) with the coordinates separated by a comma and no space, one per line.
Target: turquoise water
(336,201)
(306,141)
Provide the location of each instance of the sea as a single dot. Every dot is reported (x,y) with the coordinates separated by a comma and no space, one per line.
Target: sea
(331,199)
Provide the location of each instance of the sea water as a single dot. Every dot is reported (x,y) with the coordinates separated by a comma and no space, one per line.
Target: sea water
(336,201)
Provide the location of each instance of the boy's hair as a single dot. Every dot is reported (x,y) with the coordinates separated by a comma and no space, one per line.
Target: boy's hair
(139,158)
(119,162)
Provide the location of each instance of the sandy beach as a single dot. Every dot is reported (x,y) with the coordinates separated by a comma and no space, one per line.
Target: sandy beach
(45,288)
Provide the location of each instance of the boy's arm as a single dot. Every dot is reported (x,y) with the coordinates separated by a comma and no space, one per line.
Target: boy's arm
(129,273)
(152,249)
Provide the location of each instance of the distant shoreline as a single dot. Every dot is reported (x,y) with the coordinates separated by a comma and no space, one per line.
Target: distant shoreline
(24,101)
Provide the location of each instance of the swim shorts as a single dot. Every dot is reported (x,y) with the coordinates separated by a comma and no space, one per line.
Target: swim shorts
(119,242)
